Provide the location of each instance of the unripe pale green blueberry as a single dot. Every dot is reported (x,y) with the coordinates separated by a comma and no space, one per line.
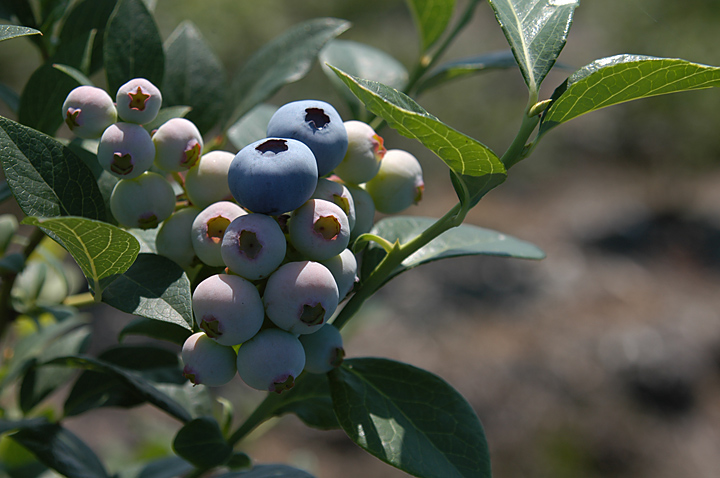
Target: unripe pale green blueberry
(125,150)
(365,151)
(207,182)
(207,362)
(364,211)
(323,349)
(301,296)
(173,238)
(142,202)
(178,145)
(228,308)
(338,194)
(344,269)
(88,110)
(319,229)
(138,101)
(398,184)
(271,360)
(209,228)
(254,246)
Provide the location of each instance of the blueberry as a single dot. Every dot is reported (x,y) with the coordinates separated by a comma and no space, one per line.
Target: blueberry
(143,202)
(398,184)
(365,151)
(228,309)
(207,362)
(206,182)
(338,194)
(271,360)
(344,269)
(318,125)
(364,211)
(173,238)
(253,246)
(88,110)
(138,101)
(209,228)
(273,175)
(319,229)
(125,150)
(323,349)
(178,145)
(300,296)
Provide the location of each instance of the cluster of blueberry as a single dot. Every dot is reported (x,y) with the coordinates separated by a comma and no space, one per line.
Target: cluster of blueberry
(311,187)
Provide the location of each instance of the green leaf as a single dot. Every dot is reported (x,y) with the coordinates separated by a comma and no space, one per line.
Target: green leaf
(464,240)
(85,16)
(146,238)
(74,73)
(194,76)
(431,19)
(47,178)
(38,383)
(286,59)
(362,61)
(409,418)
(154,287)
(622,78)
(166,114)
(309,400)
(170,467)
(155,329)
(42,98)
(201,443)
(12,425)
(133,47)
(466,67)
(105,181)
(8,228)
(10,98)
(61,450)
(100,249)
(536,31)
(13,31)
(251,127)
(463,154)
(269,471)
(141,387)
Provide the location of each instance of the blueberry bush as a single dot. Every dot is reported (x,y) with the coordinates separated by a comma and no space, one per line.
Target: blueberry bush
(242,234)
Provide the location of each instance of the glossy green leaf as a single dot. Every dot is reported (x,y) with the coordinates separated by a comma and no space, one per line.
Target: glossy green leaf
(74,73)
(42,98)
(286,59)
(133,47)
(100,249)
(251,127)
(170,467)
(464,240)
(194,76)
(155,329)
(465,67)
(10,98)
(431,19)
(13,31)
(154,287)
(38,383)
(141,387)
(409,418)
(624,78)
(536,31)
(166,114)
(269,471)
(309,400)
(201,442)
(146,238)
(105,181)
(61,450)
(463,154)
(85,16)
(47,178)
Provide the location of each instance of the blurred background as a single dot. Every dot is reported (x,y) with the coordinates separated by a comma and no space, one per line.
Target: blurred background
(603,360)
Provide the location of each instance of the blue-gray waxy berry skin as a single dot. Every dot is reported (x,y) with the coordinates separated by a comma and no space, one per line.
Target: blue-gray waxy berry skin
(318,125)
(273,176)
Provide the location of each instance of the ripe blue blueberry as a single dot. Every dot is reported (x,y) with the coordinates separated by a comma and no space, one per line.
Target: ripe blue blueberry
(125,150)
(318,125)
(209,228)
(271,360)
(319,229)
(398,184)
(207,362)
(142,202)
(228,309)
(178,145)
(338,194)
(138,101)
(365,151)
(206,182)
(254,246)
(273,175)
(300,296)
(323,349)
(173,238)
(87,111)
